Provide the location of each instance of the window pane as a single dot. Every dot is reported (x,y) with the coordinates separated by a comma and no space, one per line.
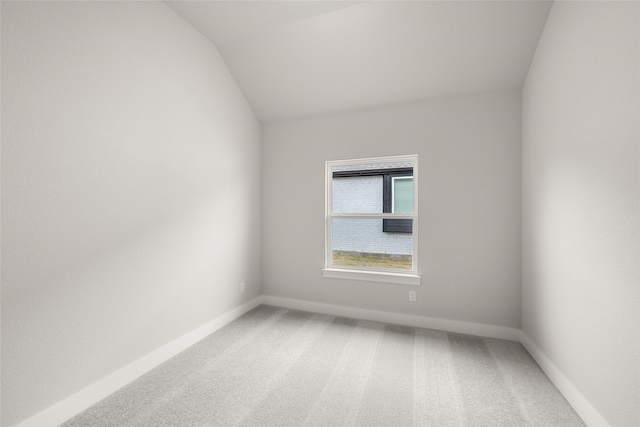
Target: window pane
(365,188)
(362,243)
(403,195)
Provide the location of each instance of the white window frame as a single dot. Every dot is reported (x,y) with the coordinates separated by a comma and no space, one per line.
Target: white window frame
(402,277)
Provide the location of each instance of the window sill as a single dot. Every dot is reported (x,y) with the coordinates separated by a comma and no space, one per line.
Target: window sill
(372,276)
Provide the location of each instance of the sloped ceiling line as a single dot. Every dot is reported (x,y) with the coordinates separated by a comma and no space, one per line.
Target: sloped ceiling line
(309,58)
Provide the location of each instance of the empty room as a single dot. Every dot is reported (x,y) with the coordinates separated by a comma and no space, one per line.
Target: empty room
(327,213)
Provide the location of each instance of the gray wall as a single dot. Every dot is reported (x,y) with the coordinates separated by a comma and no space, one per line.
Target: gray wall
(130,192)
(581,190)
(469,199)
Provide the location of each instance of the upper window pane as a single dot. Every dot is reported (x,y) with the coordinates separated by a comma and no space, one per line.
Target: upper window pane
(366,188)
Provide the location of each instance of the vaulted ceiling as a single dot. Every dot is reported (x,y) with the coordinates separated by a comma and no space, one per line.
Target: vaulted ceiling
(296,59)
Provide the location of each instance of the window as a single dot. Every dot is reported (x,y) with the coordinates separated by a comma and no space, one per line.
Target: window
(371,219)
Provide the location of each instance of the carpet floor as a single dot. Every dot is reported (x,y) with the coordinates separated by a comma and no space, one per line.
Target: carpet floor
(280,367)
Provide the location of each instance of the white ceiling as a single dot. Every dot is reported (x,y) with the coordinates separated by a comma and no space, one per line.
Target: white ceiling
(295,59)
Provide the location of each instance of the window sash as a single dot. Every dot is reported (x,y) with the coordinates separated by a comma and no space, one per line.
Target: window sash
(329,248)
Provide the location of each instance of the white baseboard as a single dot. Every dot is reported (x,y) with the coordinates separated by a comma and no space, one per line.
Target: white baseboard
(576,399)
(489,331)
(73,405)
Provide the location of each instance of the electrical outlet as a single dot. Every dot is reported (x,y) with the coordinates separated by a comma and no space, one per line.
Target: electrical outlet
(241,286)
(412,296)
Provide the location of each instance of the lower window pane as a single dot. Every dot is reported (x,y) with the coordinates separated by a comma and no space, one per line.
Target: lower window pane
(363,243)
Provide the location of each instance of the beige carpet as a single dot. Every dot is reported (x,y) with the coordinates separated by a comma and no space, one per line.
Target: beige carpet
(279,367)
